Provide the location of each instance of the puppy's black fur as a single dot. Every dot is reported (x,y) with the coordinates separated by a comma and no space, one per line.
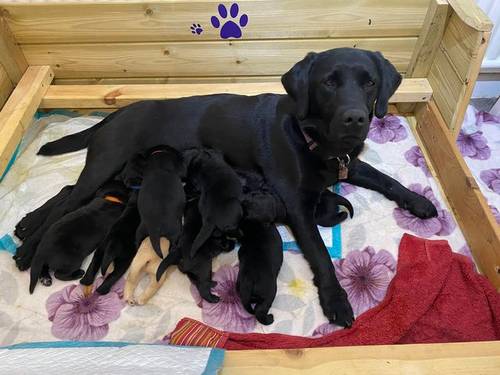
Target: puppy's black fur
(331,96)
(77,234)
(31,221)
(220,194)
(261,257)
(118,248)
(199,267)
(161,198)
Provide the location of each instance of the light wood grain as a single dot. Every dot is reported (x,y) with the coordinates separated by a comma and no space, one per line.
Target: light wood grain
(11,57)
(470,13)
(171,21)
(238,58)
(443,359)
(18,112)
(163,80)
(429,39)
(112,96)
(6,86)
(468,203)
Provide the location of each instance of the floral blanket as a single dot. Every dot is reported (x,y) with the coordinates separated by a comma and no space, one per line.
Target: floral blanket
(365,256)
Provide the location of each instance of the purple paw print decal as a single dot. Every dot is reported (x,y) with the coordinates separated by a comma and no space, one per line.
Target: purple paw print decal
(230,28)
(196,29)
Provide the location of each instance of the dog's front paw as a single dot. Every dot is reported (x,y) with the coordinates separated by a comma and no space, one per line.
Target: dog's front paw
(46,280)
(336,307)
(23,263)
(421,207)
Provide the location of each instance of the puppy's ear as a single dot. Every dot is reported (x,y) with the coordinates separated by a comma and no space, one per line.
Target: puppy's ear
(296,83)
(390,80)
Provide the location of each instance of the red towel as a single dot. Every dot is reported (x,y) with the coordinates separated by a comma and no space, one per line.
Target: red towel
(436,296)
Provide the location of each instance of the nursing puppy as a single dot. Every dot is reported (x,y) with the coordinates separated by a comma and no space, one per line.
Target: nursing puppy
(261,257)
(220,194)
(199,267)
(118,248)
(161,198)
(72,238)
(34,219)
(146,260)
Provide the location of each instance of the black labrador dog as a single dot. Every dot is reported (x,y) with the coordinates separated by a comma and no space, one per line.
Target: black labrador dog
(261,257)
(76,235)
(301,142)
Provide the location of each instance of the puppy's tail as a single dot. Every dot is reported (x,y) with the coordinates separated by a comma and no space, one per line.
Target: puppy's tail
(35,271)
(172,258)
(72,142)
(341,201)
(202,237)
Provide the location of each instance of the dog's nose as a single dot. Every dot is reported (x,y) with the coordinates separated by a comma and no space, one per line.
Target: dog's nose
(353,117)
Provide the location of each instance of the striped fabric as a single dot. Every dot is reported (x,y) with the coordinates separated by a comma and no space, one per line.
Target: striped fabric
(189,332)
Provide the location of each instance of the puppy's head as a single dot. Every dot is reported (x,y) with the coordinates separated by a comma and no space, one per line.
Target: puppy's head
(166,158)
(131,174)
(342,88)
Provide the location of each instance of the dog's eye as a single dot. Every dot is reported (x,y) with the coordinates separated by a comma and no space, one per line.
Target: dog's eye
(369,83)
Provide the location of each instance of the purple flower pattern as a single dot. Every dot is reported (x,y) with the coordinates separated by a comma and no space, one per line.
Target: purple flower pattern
(486,117)
(325,329)
(473,145)
(365,275)
(77,317)
(387,129)
(415,157)
(491,177)
(442,225)
(346,188)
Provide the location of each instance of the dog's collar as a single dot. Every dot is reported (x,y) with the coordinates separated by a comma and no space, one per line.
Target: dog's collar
(111,198)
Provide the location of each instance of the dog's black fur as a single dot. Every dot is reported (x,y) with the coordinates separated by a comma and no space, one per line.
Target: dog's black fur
(31,221)
(161,198)
(220,194)
(261,257)
(118,248)
(76,235)
(327,214)
(331,96)
(198,267)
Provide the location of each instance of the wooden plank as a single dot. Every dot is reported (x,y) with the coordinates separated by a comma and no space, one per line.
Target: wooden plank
(429,39)
(18,112)
(236,58)
(171,20)
(455,358)
(446,85)
(11,57)
(156,80)
(467,202)
(112,96)
(470,13)
(6,86)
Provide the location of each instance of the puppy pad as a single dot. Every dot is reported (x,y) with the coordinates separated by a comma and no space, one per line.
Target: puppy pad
(365,260)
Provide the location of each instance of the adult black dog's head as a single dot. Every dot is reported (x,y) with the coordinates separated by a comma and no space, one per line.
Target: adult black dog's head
(336,93)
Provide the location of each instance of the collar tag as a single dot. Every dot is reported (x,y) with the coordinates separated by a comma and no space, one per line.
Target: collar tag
(343,167)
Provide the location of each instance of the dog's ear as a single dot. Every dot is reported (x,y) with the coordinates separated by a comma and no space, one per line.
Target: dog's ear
(296,83)
(390,80)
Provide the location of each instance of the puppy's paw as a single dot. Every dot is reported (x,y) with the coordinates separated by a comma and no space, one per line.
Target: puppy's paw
(23,263)
(421,207)
(331,220)
(131,301)
(46,280)
(336,307)
(265,319)
(209,297)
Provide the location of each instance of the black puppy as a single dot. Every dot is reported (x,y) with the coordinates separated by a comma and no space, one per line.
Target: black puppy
(198,267)
(220,194)
(119,247)
(31,221)
(261,257)
(301,142)
(161,198)
(77,234)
